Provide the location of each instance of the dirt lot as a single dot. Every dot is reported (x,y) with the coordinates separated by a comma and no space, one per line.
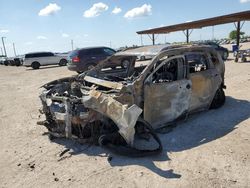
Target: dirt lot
(210,149)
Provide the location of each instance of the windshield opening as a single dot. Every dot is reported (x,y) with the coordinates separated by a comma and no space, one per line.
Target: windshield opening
(117,68)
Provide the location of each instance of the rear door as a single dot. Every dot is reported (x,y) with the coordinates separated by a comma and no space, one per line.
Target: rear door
(205,80)
(43,58)
(50,58)
(167,92)
(97,55)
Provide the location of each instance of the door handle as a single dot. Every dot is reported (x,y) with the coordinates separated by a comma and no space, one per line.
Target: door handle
(188,86)
(93,57)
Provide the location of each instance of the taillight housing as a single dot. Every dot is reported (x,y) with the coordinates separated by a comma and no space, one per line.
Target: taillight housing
(76,59)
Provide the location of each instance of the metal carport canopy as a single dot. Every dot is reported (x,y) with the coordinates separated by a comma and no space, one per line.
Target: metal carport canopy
(230,18)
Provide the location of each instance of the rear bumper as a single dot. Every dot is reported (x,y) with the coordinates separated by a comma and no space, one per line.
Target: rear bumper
(75,67)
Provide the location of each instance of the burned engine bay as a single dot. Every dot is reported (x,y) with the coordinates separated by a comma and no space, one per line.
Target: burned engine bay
(95,107)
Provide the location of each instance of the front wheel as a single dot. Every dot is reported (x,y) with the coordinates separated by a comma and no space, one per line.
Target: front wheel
(35,65)
(219,99)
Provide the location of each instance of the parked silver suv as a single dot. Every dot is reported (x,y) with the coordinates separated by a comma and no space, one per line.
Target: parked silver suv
(37,59)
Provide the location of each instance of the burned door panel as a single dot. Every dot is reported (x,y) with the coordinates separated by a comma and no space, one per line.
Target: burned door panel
(167,92)
(205,81)
(166,102)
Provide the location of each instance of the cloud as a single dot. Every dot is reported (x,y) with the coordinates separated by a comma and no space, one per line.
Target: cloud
(244,1)
(85,35)
(116,10)
(40,37)
(95,10)
(28,43)
(65,35)
(51,9)
(144,10)
(4,31)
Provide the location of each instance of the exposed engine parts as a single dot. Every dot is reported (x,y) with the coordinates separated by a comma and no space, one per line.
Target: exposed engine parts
(66,116)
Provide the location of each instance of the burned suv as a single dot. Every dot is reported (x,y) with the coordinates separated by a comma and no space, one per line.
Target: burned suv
(110,106)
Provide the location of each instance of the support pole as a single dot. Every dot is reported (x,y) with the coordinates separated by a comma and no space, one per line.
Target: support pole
(187,35)
(153,39)
(238,34)
(213,32)
(2,51)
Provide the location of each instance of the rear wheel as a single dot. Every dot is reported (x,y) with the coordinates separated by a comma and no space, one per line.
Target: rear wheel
(35,65)
(219,99)
(6,63)
(63,62)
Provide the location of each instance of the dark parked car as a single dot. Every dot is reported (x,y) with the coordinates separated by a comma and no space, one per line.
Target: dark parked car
(12,61)
(222,51)
(18,61)
(84,59)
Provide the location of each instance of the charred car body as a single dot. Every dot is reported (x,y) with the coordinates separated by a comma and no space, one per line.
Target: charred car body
(110,106)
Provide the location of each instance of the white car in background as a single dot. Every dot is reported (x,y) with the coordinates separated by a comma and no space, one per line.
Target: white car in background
(2,59)
(37,59)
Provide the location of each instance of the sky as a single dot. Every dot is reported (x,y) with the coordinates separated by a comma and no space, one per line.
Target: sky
(50,25)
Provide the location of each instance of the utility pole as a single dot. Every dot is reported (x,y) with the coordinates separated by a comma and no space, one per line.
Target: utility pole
(1,51)
(72,44)
(14,49)
(4,46)
(110,44)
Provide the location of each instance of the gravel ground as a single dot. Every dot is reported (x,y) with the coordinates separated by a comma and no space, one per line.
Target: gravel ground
(210,149)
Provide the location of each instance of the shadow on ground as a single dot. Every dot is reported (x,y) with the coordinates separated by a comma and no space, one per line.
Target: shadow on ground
(197,130)
(44,67)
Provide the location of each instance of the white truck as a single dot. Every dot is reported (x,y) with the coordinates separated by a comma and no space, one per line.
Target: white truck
(37,59)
